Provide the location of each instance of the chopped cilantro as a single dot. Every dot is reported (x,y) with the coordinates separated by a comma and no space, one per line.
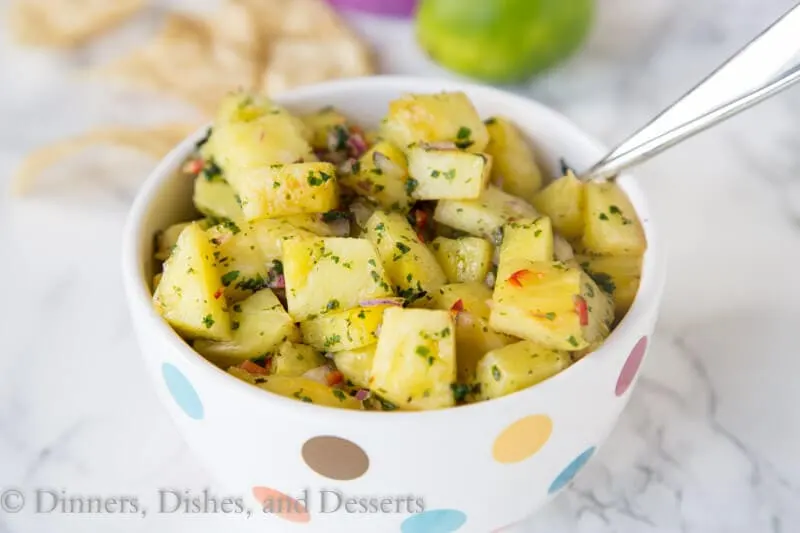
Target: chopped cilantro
(332,304)
(318,178)
(460,391)
(550,316)
(422,351)
(614,210)
(463,133)
(572,340)
(229,277)
(450,175)
(340,394)
(603,216)
(496,374)
(333,339)
(332,216)
(362,314)
(411,185)
(208,321)
(211,171)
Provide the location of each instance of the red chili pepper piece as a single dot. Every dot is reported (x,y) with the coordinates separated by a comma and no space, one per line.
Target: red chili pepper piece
(253,368)
(582,309)
(457,307)
(421,218)
(514,279)
(218,293)
(334,378)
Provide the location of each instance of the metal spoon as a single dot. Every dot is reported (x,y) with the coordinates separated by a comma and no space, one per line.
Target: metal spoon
(769,64)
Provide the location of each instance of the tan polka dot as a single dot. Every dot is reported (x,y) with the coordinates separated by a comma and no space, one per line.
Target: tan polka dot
(281,505)
(522,439)
(335,458)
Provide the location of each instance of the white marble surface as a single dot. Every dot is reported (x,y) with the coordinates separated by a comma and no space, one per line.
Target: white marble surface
(710,440)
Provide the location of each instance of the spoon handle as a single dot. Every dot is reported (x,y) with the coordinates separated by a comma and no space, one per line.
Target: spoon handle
(766,66)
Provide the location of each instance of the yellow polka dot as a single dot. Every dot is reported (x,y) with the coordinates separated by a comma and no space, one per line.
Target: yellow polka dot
(522,439)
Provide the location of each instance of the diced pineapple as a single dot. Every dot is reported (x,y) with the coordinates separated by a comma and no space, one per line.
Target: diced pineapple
(526,238)
(282,190)
(321,123)
(300,389)
(451,174)
(562,200)
(550,303)
(356,365)
(446,116)
(216,199)
(618,276)
(415,361)
(271,233)
(259,324)
(484,216)
(255,136)
(381,175)
(514,162)
(611,226)
(346,330)
(311,222)
(465,259)
(410,265)
(185,293)
(294,360)
(330,273)
(474,337)
(239,259)
(518,366)
(246,106)
(166,239)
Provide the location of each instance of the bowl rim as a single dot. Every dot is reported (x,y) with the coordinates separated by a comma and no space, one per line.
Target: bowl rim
(139,296)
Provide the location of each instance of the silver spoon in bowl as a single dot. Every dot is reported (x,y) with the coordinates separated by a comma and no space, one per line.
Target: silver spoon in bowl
(767,65)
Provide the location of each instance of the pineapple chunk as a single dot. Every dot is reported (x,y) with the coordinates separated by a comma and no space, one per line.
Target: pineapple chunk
(381,175)
(321,123)
(562,200)
(465,259)
(254,137)
(185,294)
(245,106)
(446,116)
(415,361)
(293,360)
(239,259)
(330,273)
(550,303)
(452,174)
(346,330)
(484,216)
(410,265)
(611,226)
(300,389)
(271,233)
(356,365)
(168,238)
(618,276)
(259,324)
(281,190)
(518,366)
(527,238)
(474,337)
(514,163)
(216,199)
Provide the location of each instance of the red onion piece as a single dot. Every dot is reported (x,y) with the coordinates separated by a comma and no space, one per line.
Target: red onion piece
(363,394)
(278,283)
(340,227)
(319,374)
(382,301)
(357,144)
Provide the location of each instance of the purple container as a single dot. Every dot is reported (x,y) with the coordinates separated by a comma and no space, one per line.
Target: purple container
(392,8)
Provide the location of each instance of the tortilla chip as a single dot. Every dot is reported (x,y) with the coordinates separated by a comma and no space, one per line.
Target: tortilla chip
(198,60)
(67,23)
(155,142)
(297,62)
(311,19)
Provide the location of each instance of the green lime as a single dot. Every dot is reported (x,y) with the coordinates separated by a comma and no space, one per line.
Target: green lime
(502,41)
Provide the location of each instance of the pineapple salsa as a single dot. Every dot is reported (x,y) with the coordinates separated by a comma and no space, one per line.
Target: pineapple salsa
(420,266)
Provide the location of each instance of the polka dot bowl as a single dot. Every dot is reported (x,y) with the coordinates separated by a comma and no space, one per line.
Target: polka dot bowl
(473,469)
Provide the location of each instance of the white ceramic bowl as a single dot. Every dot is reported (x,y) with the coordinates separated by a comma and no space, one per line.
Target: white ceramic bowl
(476,468)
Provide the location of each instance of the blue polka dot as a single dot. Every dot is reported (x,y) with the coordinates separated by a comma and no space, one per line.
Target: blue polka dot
(571,471)
(438,521)
(182,391)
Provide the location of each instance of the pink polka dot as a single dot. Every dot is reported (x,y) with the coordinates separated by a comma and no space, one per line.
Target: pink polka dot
(281,505)
(631,367)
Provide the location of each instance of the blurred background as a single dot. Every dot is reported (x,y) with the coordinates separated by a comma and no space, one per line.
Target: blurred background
(85,113)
